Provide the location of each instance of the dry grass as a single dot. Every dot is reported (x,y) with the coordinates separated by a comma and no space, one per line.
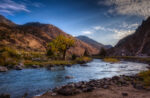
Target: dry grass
(146,77)
(112,60)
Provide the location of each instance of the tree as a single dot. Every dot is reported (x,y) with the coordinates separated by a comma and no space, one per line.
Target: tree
(60,45)
(102,52)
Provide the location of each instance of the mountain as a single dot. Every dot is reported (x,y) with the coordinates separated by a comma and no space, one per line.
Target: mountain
(6,21)
(35,36)
(93,42)
(137,44)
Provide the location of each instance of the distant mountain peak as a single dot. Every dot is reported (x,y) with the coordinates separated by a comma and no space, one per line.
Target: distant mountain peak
(93,42)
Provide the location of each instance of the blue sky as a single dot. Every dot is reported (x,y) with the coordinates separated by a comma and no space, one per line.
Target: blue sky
(106,21)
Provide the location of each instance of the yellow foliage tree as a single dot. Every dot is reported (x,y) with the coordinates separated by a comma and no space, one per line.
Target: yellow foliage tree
(60,45)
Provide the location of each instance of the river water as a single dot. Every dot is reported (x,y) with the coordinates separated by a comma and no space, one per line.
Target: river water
(38,81)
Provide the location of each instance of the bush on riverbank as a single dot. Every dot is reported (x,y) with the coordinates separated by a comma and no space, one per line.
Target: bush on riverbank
(29,63)
(83,59)
(146,77)
(9,56)
(112,60)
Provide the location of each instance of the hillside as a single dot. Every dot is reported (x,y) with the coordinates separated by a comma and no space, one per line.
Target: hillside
(35,36)
(93,42)
(137,44)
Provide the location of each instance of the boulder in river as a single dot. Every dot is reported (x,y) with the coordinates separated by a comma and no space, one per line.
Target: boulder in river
(69,77)
(83,65)
(35,66)
(19,67)
(3,69)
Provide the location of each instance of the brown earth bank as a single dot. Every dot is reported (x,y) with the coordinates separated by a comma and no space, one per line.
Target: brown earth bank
(116,87)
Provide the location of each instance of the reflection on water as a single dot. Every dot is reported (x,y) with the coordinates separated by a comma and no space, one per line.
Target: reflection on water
(37,81)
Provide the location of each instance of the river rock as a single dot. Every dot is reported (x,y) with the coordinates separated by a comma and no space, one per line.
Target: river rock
(53,94)
(105,86)
(35,66)
(68,91)
(83,65)
(3,69)
(124,94)
(20,66)
(69,77)
(4,96)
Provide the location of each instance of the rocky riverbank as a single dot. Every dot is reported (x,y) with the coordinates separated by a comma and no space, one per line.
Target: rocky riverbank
(116,87)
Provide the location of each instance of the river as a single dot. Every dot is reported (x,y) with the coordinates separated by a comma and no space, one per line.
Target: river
(37,81)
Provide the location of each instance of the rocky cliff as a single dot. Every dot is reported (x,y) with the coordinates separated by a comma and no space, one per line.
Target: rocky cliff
(137,44)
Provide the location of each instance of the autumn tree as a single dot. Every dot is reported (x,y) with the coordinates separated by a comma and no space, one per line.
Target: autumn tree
(60,45)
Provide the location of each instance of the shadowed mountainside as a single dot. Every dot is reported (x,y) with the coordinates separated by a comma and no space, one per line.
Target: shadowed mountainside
(137,44)
(35,36)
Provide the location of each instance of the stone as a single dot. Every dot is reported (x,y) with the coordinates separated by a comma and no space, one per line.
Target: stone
(124,94)
(3,69)
(35,66)
(69,77)
(4,96)
(18,68)
(105,86)
(83,65)
(54,94)
(68,91)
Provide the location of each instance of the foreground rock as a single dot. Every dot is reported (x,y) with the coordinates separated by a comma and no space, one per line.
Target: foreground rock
(4,96)
(3,69)
(122,86)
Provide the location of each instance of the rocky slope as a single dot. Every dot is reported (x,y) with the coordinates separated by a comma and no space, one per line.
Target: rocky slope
(35,37)
(93,42)
(137,44)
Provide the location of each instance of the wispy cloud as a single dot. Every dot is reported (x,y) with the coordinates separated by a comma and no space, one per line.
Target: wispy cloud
(128,7)
(116,33)
(10,6)
(87,32)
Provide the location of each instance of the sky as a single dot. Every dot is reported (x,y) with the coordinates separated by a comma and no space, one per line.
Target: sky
(106,21)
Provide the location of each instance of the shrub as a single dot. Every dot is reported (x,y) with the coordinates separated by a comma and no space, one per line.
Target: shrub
(102,52)
(146,77)
(83,59)
(9,56)
(112,60)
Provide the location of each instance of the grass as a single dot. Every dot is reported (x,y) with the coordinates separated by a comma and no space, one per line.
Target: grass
(12,57)
(112,60)
(83,59)
(146,77)
(29,63)
(133,58)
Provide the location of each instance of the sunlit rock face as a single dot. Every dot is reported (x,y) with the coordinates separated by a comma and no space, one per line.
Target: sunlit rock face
(136,44)
(35,37)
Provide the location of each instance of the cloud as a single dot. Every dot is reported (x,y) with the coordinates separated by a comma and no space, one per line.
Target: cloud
(87,32)
(119,34)
(10,6)
(128,7)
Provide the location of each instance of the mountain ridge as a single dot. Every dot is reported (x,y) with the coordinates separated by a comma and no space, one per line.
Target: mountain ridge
(93,43)
(35,36)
